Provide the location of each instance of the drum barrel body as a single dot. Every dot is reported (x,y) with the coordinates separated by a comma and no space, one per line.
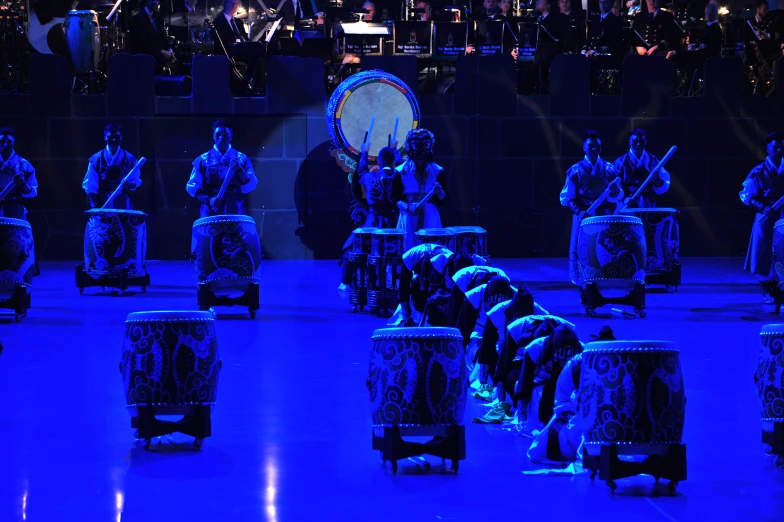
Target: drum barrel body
(388,242)
(778,252)
(471,241)
(631,394)
(417,378)
(82,33)
(170,361)
(363,239)
(228,252)
(769,376)
(17,255)
(611,252)
(662,237)
(367,95)
(438,236)
(115,239)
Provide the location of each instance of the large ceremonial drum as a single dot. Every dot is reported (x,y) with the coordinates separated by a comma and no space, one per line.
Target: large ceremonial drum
(363,239)
(769,376)
(471,241)
(417,377)
(662,237)
(17,255)
(115,239)
(611,252)
(83,36)
(388,242)
(437,236)
(228,252)
(362,97)
(778,251)
(631,393)
(170,361)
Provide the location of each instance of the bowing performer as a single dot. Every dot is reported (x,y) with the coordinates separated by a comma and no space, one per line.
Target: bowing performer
(420,176)
(107,169)
(585,182)
(763,187)
(17,175)
(222,165)
(634,168)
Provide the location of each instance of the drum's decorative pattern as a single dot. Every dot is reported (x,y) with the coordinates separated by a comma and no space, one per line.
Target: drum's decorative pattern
(417,377)
(631,392)
(115,239)
(388,242)
(170,359)
(438,236)
(227,249)
(17,254)
(363,96)
(662,237)
(611,248)
(83,36)
(471,241)
(769,376)
(778,251)
(363,240)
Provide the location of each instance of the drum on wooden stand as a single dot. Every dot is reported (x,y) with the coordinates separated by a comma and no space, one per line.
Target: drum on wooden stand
(471,241)
(632,402)
(438,236)
(83,35)
(385,264)
(358,257)
(611,252)
(228,261)
(769,379)
(417,384)
(115,248)
(170,366)
(17,259)
(663,243)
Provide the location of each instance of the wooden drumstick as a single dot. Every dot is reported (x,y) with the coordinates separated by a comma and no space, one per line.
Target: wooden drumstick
(602,197)
(645,183)
(7,190)
(394,132)
(133,171)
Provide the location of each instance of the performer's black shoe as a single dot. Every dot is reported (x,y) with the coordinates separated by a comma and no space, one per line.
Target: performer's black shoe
(766,297)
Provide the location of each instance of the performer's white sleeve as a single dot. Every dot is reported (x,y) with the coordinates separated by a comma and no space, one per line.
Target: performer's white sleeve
(32,182)
(195,183)
(748,191)
(568,192)
(252,179)
(90,181)
(664,187)
(618,197)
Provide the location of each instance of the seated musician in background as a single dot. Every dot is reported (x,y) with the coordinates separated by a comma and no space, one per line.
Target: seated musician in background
(575,35)
(657,29)
(765,36)
(585,182)
(210,170)
(504,10)
(635,166)
(16,172)
(605,42)
(427,14)
(147,35)
(107,169)
(763,187)
(707,42)
(294,11)
(554,29)
(488,10)
(370,12)
(228,30)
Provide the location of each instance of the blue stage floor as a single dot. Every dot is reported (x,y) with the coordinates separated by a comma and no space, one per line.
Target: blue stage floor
(291,437)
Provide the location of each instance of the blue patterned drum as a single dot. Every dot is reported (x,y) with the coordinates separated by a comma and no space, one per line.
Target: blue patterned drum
(778,252)
(437,236)
(769,376)
(363,240)
(631,392)
(471,241)
(611,252)
(360,98)
(417,377)
(115,239)
(228,252)
(170,361)
(388,242)
(662,237)
(17,255)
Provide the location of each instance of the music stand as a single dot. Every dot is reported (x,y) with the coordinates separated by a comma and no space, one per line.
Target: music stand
(364,31)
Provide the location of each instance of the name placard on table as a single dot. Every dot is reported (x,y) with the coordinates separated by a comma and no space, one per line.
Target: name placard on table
(413,37)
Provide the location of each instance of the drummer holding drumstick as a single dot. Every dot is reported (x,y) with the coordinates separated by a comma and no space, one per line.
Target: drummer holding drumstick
(107,169)
(17,178)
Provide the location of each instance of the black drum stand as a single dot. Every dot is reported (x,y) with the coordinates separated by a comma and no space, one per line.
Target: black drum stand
(383,293)
(358,285)
(669,462)
(119,279)
(775,441)
(448,445)
(591,298)
(206,298)
(671,278)
(19,302)
(198,424)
